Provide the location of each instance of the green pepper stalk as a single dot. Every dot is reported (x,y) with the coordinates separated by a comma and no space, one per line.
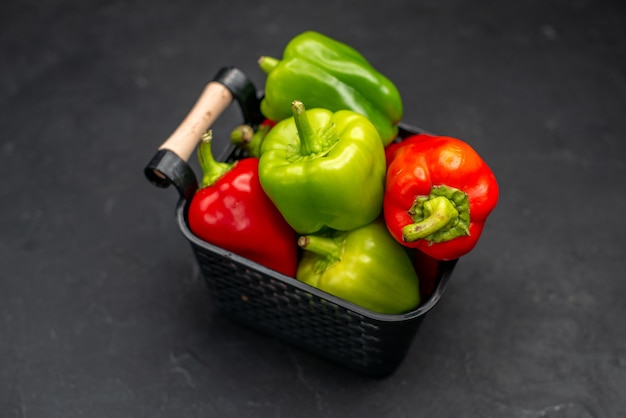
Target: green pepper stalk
(250,139)
(365,266)
(323,72)
(324,170)
(212,170)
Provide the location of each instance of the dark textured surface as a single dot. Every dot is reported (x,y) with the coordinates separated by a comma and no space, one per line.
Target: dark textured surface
(102,309)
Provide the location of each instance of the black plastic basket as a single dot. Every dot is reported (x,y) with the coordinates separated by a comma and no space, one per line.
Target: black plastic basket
(371,343)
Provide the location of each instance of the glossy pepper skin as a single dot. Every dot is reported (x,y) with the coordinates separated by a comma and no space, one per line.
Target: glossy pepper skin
(324,170)
(439,193)
(323,72)
(365,266)
(231,210)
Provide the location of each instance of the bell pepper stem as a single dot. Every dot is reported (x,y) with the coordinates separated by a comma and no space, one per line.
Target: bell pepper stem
(439,213)
(247,138)
(267,64)
(441,216)
(212,170)
(309,143)
(324,246)
(242,135)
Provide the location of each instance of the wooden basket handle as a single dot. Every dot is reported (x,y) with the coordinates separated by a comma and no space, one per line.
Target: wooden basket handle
(169,165)
(215,98)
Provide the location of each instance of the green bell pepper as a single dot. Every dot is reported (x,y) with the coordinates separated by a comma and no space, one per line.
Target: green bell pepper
(323,72)
(324,170)
(365,266)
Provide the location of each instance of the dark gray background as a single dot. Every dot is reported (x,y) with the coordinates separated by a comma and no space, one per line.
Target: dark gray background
(102,309)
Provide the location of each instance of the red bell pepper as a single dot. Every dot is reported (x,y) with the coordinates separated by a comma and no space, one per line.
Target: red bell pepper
(439,192)
(231,210)
(427,269)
